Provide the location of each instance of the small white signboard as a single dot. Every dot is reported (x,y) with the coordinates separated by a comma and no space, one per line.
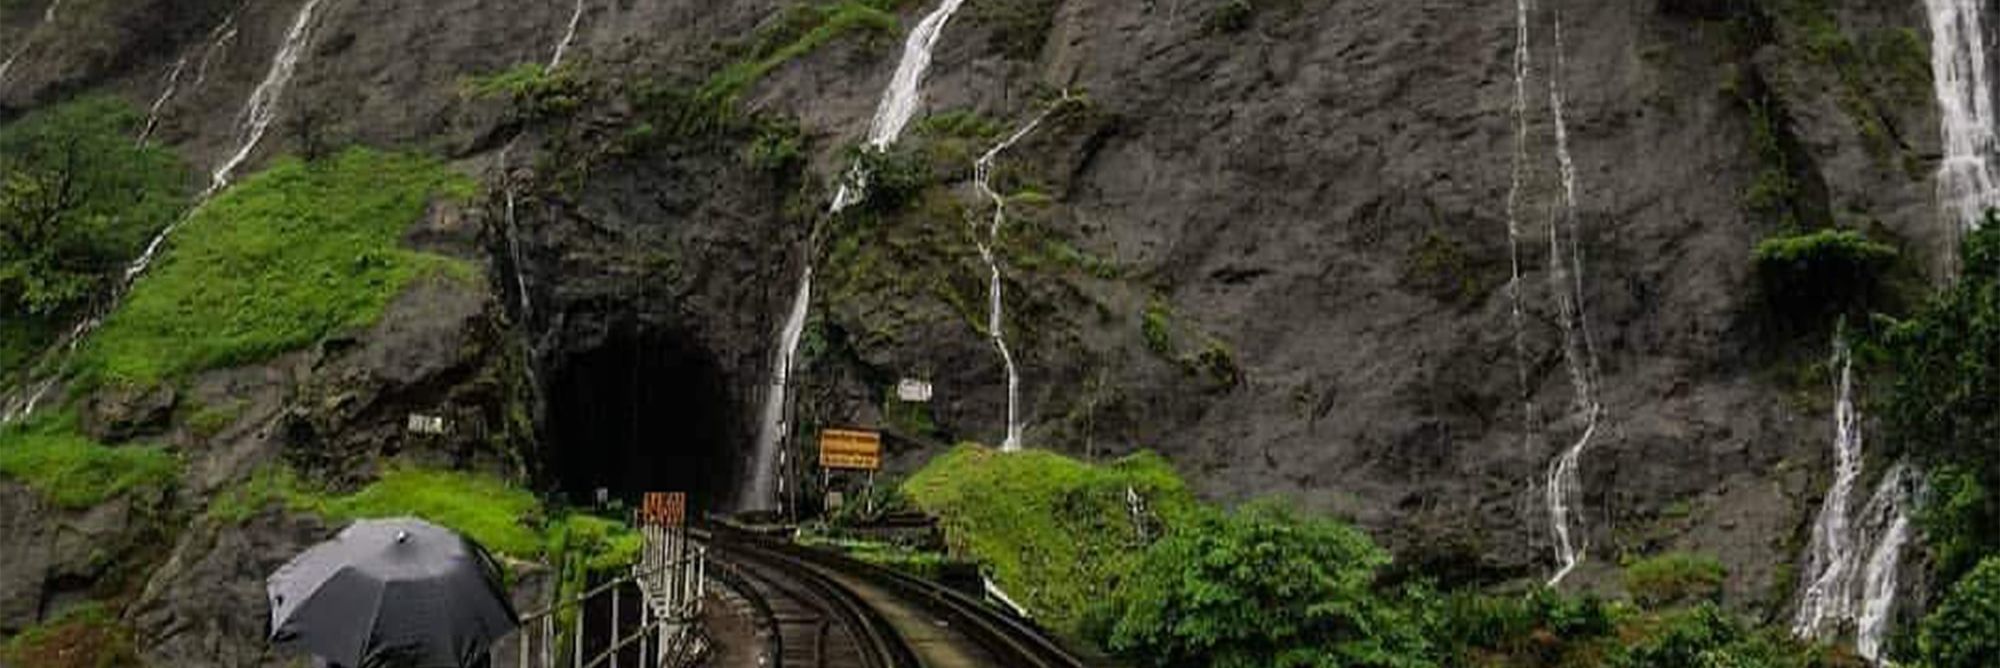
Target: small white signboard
(913,391)
(426,424)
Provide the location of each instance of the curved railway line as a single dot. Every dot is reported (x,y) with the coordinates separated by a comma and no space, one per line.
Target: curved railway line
(829,611)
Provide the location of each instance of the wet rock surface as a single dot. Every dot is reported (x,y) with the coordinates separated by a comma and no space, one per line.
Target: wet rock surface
(1312,202)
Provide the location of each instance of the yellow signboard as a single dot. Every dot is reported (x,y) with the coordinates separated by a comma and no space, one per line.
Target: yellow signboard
(853,449)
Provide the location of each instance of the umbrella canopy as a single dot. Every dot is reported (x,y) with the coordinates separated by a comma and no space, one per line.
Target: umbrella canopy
(397,592)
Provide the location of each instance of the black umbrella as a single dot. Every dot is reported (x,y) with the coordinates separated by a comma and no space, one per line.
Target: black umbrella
(398,592)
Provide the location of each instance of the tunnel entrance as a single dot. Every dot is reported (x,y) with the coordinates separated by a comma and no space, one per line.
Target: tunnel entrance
(642,412)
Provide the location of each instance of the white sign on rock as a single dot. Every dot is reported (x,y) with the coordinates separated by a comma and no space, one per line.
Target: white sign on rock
(426,424)
(913,391)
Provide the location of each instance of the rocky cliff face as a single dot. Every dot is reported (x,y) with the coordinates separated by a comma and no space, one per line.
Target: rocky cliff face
(1271,241)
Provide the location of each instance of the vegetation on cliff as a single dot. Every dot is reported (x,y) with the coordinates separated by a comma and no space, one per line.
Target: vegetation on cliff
(72,471)
(78,199)
(1164,580)
(295,254)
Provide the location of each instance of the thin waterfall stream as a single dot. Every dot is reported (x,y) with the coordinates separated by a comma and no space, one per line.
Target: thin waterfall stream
(1563,486)
(48,16)
(1830,557)
(995,311)
(259,110)
(892,114)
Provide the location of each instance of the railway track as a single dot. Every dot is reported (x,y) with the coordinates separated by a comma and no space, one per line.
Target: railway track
(858,614)
(816,621)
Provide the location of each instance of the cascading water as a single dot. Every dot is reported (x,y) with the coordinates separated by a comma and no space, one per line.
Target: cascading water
(1564,487)
(995,314)
(569,36)
(259,111)
(48,17)
(1830,558)
(1521,173)
(892,114)
(218,38)
(1965,179)
(1887,521)
(173,85)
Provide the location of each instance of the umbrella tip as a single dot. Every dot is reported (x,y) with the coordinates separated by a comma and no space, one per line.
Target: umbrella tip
(402,536)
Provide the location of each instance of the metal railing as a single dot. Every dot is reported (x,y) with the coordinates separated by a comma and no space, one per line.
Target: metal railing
(670,579)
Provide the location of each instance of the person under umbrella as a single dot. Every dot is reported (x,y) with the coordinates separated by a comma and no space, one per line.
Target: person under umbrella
(391,593)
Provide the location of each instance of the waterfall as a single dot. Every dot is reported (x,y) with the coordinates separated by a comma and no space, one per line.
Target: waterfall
(221,35)
(1965,179)
(1521,173)
(48,17)
(258,112)
(1564,486)
(569,36)
(995,314)
(892,114)
(1830,558)
(173,84)
(1886,520)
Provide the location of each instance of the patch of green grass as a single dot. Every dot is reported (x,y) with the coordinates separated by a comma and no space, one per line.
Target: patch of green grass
(87,636)
(1675,578)
(72,471)
(288,257)
(1057,533)
(503,517)
(206,421)
(799,30)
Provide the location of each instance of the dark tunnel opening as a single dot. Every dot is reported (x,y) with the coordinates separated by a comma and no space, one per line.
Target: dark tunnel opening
(642,412)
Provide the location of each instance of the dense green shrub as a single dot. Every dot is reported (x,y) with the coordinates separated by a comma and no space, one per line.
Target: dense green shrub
(1542,628)
(286,258)
(78,200)
(1964,631)
(890,180)
(1944,404)
(1263,588)
(1818,274)
(1675,578)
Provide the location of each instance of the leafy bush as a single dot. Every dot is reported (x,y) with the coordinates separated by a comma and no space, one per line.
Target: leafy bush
(87,636)
(1822,273)
(1057,533)
(78,199)
(890,180)
(284,259)
(1544,626)
(1944,404)
(1964,631)
(1675,578)
(72,471)
(1261,587)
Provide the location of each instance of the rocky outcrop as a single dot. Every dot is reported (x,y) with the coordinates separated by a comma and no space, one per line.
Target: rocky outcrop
(1273,245)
